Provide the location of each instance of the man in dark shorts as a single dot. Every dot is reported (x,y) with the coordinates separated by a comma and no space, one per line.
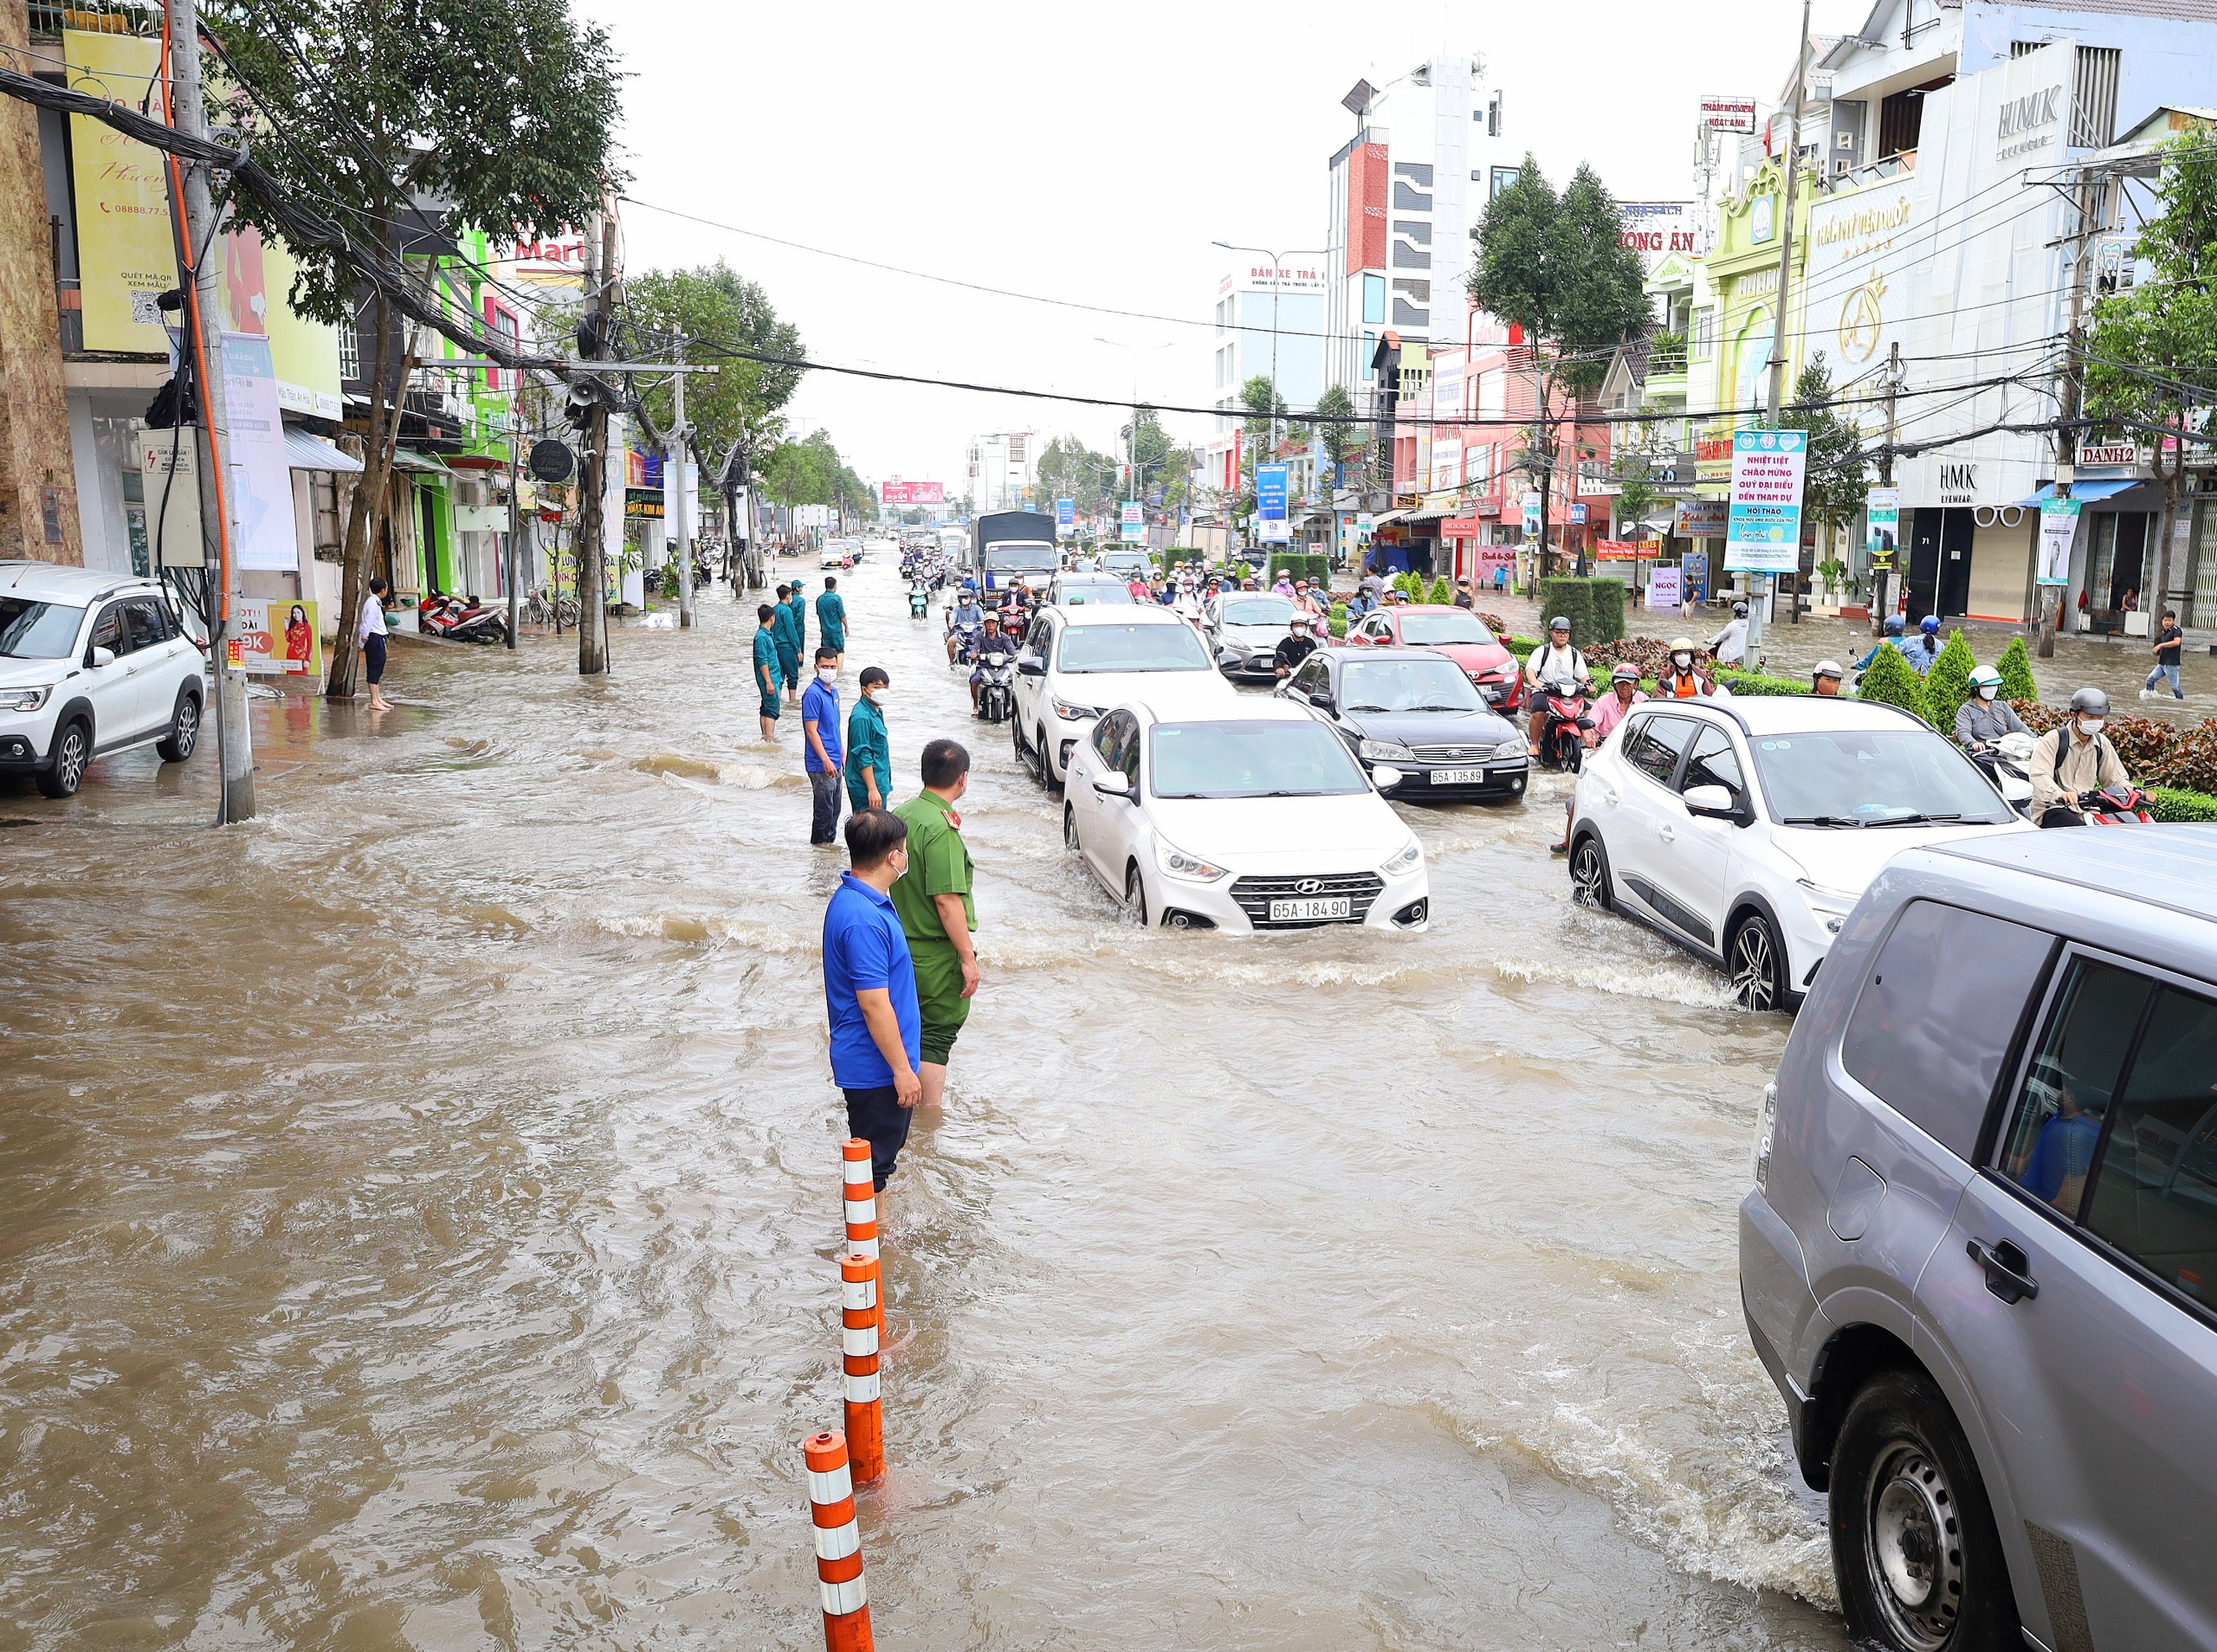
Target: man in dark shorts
(869,991)
(936,913)
(767,668)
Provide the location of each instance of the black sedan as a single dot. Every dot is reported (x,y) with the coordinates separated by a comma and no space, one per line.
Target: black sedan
(1412,710)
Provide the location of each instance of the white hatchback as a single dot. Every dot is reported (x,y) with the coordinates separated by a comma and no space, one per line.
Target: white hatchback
(1078,660)
(92,663)
(1249,817)
(1746,829)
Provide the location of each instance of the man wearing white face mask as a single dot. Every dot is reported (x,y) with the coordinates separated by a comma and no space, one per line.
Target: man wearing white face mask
(819,727)
(1986,717)
(870,752)
(2074,760)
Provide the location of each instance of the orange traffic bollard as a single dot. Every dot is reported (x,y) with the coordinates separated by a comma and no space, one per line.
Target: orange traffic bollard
(838,1543)
(858,1342)
(860,1196)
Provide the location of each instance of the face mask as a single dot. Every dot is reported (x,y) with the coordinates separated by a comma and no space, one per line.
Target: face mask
(2090,726)
(1986,690)
(876,696)
(1684,662)
(823,675)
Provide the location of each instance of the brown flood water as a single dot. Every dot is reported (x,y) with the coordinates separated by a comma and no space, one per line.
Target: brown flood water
(418,1208)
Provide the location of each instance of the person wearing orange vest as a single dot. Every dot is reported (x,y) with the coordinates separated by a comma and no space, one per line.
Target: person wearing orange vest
(1684,679)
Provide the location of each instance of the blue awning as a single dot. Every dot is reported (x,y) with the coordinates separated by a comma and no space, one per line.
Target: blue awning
(2088,490)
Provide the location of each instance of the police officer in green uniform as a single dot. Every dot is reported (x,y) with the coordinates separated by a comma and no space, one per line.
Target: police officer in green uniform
(933,898)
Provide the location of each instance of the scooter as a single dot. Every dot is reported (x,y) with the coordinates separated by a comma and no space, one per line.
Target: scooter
(439,615)
(920,600)
(2117,806)
(1562,742)
(996,687)
(2008,764)
(966,645)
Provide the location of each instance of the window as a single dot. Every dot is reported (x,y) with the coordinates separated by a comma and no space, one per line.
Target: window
(108,632)
(1407,257)
(1314,677)
(1373,304)
(1415,229)
(1853,779)
(1370,340)
(1418,173)
(1407,315)
(2154,1193)
(2093,97)
(1408,200)
(1503,177)
(1654,744)
(1701,340)
(1714,763)
(145,625)
(1934,1022)
(2068,1089)
(1252,759)
(1409,287)
(1108,737)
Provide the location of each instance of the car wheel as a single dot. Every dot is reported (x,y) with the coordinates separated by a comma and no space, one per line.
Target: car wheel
(1589,874)
(1136,894)
(1919,1564)
(73,750)
(1757,961)
(184,729)
(1069,828)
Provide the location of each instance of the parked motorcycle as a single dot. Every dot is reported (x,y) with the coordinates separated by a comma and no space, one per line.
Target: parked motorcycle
(996,687)
(1567,709)
(458,620)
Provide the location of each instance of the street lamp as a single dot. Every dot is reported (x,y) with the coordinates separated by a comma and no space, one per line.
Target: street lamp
(1277,269)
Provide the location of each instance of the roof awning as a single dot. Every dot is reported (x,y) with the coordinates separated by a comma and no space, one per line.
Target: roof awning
(306,452)
(1429,513)
(2109,487)
(1389,519)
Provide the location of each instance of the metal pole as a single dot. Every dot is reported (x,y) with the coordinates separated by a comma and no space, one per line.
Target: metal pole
(593,474)
(194,234)
(514,558)
(1884,587)
(679,442)
(1778,334)
(2066,423)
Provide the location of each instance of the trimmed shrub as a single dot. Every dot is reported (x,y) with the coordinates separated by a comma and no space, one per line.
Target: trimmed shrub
(1594,606)
(1948,680)
(1521,647)
(1756,683)
(1892,681)
(2015,666)
(1338,623)
(2178,806)
(1442,592)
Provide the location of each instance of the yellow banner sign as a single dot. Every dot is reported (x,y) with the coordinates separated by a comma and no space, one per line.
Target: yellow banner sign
(125,257)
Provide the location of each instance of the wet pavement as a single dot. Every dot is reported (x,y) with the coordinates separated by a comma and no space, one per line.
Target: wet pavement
(416,1210)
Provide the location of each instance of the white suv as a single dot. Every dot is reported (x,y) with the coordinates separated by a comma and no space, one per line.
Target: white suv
(1746,829)
(92,663)
(1079,661)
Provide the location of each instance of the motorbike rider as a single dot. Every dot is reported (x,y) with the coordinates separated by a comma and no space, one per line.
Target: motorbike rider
(1729,646)
(992,639)
(1293,647)
(1609,710)
(1824,682)
(1684,679)
(2073,759)
(1892,640)
(1986,717)
(965,616)
(1555,667)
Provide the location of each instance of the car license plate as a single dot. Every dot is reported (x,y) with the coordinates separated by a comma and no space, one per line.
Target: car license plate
(1284,912)
(1459,777)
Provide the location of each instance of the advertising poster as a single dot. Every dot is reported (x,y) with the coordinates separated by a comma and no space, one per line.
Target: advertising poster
(1882,517)
(1763,534)
(260,473)
(279,638)
(123,205)
(1531,513)
(1065,518)
(1693,576)
(1131,524)
(1272,527)
(1700,518)
(2058,528)
(1663,590)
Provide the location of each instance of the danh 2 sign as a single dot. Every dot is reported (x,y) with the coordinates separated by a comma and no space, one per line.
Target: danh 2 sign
(1763,533)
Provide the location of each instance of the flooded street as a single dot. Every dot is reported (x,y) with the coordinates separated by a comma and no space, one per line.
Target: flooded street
(418,1210)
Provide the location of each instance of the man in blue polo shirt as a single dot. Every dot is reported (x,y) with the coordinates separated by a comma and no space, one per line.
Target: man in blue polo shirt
(822,752)
(869,989)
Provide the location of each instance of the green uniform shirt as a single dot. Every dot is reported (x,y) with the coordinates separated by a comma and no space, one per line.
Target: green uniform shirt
(939,863)
(798,604)
(867,747)
(766,659)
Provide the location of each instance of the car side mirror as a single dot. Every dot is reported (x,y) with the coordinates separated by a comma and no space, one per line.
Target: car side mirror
(1716,802)
(1117,784)
(1320,699)
(1032,666)
(99,656)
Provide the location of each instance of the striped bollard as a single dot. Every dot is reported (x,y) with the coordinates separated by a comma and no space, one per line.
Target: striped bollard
(861,1195)
(858,1320)
(838,1543)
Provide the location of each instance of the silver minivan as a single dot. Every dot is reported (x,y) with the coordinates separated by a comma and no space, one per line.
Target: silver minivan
(1980,1258)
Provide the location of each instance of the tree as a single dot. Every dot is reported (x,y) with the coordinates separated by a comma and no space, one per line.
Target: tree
(1346,441)
(1833,487)
(2151,354)
(709,309)
(1556,266)
(1160,463)
(504,112)
(1947,679)
(1070,469)
(2016,669)
(1891,679)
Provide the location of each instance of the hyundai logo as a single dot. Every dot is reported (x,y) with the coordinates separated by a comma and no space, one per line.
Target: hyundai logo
(1308,886)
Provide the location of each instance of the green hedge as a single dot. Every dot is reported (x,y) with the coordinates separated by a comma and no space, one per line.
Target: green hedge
(1594,605)
(1338,622)
(1298,564)
(1754,683)
(1892,681)
(2176,804)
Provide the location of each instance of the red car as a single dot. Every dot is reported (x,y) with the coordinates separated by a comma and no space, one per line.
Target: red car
(1456,632)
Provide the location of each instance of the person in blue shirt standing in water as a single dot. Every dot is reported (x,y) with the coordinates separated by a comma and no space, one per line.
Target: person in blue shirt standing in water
(832,618)
(767,668)
(869,991)
(819,727)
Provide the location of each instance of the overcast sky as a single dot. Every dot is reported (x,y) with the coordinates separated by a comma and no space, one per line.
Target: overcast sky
(1091,153)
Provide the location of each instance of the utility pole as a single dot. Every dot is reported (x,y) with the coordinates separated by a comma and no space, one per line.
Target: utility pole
(192,220)
(680,440)
(1778,331)
(514,558)
(1886,585)
(2066,421)
(592,471)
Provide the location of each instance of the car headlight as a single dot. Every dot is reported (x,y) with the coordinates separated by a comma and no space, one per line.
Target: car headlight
(1763,1137)
(24,700)
(1387,751)
(1069,710)
(1515,748)
(1176,863)
(1410,856)
(1830,906)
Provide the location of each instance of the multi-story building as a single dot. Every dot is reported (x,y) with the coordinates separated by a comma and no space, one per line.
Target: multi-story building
(1004,468)
(1269,323)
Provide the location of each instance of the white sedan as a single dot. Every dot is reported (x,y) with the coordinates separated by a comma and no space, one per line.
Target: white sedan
(1250,815)
(1746,829)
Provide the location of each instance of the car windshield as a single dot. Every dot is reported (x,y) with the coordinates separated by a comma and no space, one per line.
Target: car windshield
(1444,627)
(1020,557)
(1098,590)
(1257,610)
(31,630)
(1252,759)
(1862,776)
(1132,647)
(1407,686)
